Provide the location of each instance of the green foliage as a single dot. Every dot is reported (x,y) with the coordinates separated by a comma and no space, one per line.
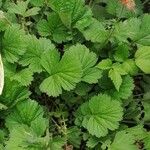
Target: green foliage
(100,114)
(75,75)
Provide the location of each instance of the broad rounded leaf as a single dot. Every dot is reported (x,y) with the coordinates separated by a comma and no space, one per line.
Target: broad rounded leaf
(88,61)
(64,74)
(100,115)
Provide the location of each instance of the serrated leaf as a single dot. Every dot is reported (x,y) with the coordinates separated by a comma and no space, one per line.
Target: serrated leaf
(88,60)
(32,12)
(92,142)
(72,12)
(65,73)
(138,30)
(35,49)
(25,138)
(123,141)
(95,32)
(25,112)
(99,115)
(142,59)
(105,64)
(24,77)
(13,93)
(13,44)
(130,67)
(115,76)
(131,25)
(53,27)
(125,90)
(143,36)
(19,8)
(121,53)
(4,22)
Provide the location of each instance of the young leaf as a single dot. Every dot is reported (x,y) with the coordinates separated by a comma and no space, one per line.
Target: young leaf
(105,64)
(21,8)
(99,115)
(116,78)
(125,90)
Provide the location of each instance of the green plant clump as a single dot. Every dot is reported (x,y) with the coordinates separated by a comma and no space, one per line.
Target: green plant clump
(76,75)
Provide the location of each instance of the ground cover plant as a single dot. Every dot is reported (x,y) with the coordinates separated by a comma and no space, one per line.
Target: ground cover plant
(76,75)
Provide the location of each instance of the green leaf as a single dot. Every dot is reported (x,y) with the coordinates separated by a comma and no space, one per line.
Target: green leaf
(95,32)
(74,136)
(21,8)
(125,90)
(13,93)
(82,88)
(138,30)
(65,73)
(130,67)
(32,12)
(53,27)
(143,36)
(99,115)
(121,53)
(72,12)
(116,8)
(35,49)
(105,64)
(115,76)
(25,112)
(56,143)
(142,58)
(13,44)
(24,77)
(147,142)
(92,142)
(123,141)
(37,2)
(25,138)
(88,60)
(4,22)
